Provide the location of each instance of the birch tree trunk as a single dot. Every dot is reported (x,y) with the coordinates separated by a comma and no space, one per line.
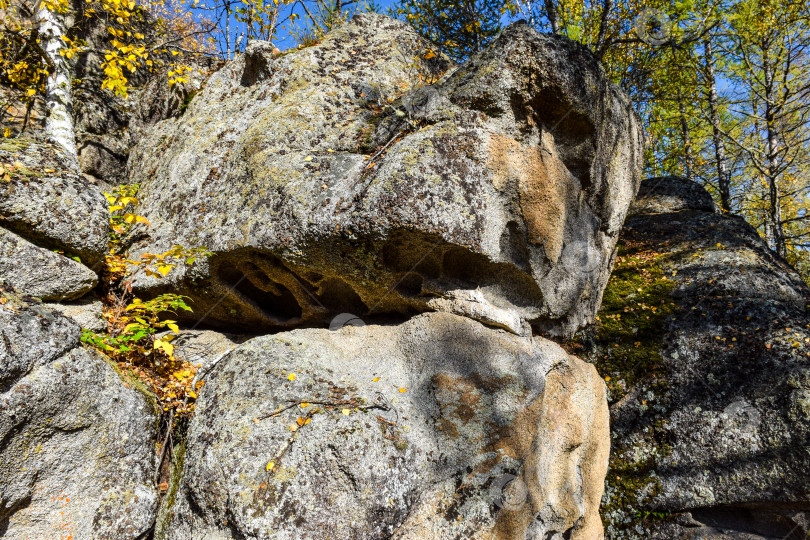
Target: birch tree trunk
(58,89)
(772,157)
(723,180)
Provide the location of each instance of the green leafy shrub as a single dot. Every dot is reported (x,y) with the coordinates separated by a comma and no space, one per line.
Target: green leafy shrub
(140,332)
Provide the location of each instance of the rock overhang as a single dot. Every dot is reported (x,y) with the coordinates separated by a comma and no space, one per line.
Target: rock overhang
(335,179)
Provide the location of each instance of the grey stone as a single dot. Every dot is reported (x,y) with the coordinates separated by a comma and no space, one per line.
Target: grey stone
(332,179)
(435,428)
(40,272)
(205,348)
(671,194)
(78,444)
(34,334)
(49,205)
(87,312)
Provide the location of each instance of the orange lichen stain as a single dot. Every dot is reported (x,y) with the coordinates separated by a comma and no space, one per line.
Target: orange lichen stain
(545,187)
(66,520)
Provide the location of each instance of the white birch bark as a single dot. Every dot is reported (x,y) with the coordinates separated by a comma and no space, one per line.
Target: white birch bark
(58,91)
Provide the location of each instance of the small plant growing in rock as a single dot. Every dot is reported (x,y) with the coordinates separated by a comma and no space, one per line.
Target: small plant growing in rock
(139,336)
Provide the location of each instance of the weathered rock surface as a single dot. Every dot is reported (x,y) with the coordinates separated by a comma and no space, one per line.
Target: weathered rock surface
(435,428)
(705,336)
(331,179)
(87,313)
(40,272)
(76,445)
(670,194)
(108,126)
(47,204)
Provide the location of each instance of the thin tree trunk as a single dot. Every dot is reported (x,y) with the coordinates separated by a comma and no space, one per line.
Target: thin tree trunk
(688,161)
(58,90)
(228,30)
(771,158)
(760,149)
(599,49)
(552,16)
(723,180)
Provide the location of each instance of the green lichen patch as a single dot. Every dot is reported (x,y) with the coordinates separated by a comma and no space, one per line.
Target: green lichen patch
(635,305)
(17,172)
(631,483)
(625,346)
(13,145)
(187,101)
(178,456)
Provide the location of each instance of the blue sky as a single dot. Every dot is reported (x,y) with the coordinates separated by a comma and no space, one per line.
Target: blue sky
(284,40)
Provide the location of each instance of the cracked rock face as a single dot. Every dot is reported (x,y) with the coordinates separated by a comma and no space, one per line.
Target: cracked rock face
(77,446)
(435,428)
(368,175)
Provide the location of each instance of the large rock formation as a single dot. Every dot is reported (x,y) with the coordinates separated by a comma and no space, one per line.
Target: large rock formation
(77,444)
(705,339)
(435,428)
(334,179)
(365,174)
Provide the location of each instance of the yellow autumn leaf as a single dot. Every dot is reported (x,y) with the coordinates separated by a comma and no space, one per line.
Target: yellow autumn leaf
(164,269)
(271,465)
(291,377)
(346,412)
(402,390)
(375,379)
(429,55)
(7,132)
(192,394)
(173,327)
(165,346)
(299,421)
(304,405)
